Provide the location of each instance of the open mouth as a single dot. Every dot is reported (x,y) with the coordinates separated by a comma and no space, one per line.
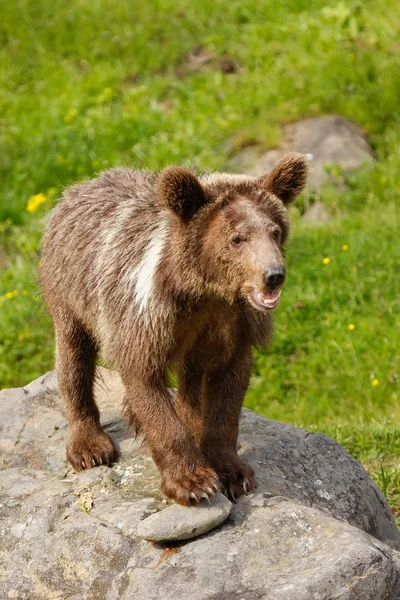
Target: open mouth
(265,300)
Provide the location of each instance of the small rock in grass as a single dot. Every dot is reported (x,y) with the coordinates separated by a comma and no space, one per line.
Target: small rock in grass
(185,522)
(317,213)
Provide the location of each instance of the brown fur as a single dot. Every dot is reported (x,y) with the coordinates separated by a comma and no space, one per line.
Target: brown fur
(157,271)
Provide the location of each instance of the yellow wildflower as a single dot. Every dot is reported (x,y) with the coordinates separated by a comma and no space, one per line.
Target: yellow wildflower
(35,201)
(11,295)
(25,293)
(345,247)
(351,327)
(326,261)
(398,261)
(375,382)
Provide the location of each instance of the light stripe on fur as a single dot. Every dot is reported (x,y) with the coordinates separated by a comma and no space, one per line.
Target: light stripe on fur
(144,274)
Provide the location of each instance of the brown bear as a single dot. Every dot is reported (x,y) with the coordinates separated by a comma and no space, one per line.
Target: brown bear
(168,270)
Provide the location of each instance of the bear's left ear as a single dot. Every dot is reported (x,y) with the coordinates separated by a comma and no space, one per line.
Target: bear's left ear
(181,191)
(288,178)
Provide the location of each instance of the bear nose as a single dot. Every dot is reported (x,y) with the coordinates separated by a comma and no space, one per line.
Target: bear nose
(274,277)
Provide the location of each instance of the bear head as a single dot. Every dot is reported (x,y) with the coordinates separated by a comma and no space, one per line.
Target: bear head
(233,228)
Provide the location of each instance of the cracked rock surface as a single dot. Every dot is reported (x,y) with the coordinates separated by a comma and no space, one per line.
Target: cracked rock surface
(317,527)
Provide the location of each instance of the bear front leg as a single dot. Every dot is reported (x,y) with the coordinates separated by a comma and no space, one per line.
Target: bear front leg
(224,393)
(186,477)
(88,445)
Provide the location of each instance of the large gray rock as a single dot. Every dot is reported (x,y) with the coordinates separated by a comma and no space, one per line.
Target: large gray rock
(316,528)
(330,140)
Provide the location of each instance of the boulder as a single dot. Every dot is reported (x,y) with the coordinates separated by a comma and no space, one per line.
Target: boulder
(317,526)
(329,140)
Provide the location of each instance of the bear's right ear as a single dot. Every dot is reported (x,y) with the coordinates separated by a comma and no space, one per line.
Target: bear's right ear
(181,191)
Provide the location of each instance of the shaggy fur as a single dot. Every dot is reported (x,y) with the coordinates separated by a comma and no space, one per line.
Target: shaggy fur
(167,270)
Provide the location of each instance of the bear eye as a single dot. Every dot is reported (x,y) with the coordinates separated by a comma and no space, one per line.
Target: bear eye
(237,241)
(276,234)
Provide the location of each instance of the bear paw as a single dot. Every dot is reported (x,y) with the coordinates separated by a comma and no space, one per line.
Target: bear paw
(190,486)
(235,476)
(90,447)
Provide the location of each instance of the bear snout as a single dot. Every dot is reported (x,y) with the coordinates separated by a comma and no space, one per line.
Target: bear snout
(274,277)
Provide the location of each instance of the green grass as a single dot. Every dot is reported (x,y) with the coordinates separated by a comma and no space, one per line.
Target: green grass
(95,84)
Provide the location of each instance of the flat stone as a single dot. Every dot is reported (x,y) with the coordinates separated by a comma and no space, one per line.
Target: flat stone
(185,522)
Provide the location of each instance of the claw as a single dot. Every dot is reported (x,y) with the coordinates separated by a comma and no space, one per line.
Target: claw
(210,491)
(193,495)
(215,487)
(232,493)
(245,487)
(94,462)
(204,495)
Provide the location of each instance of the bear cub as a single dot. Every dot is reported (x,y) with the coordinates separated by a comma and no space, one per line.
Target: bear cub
(165,271)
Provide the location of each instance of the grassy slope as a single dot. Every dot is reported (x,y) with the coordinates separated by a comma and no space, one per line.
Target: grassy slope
(93,84)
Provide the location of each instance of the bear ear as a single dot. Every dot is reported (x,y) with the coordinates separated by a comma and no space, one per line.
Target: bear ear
(288,178)
(181,191)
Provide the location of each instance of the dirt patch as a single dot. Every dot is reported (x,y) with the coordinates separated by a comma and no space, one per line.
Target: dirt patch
(200,59)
